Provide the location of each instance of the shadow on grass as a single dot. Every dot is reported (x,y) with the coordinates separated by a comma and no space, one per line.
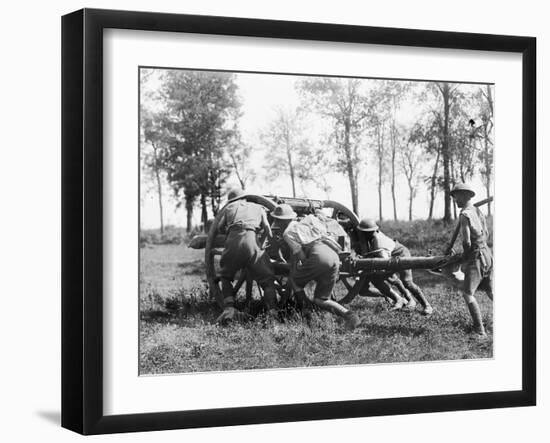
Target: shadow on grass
(180,308)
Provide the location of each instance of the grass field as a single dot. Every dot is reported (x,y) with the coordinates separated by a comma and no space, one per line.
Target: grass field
(178,334)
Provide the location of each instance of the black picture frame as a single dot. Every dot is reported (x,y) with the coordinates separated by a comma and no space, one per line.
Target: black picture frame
(82,219)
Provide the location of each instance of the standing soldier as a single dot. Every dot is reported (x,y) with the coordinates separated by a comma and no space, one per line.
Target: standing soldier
(241,220)
(375,241)
(315,261)
(477,262)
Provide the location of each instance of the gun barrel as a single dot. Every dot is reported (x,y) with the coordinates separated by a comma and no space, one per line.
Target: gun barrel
(395,264)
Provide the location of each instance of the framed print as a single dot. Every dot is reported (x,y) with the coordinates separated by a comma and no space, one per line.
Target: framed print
(270,221)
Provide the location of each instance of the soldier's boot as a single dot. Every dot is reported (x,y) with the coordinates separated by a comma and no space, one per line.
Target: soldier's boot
(399,301)
(385,288)
(475,312)
(303,305)
(270,302)
(351,319)
(229,313)
(411,302)
(419,295)
(228,292)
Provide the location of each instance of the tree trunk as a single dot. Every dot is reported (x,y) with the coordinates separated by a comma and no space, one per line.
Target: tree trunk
(393,155)
(380,165)
(215,190)
(410,203)
(236,168)
(453,183)
(189,203)
(290,163)
(488,167)
(488,160)
(159,187)
(433,184)
(204,212)
(350,167)
(445,92)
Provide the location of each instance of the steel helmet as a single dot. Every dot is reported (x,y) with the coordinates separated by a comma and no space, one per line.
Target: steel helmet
(367,225)
(284,212)
(234,193)
(463,187)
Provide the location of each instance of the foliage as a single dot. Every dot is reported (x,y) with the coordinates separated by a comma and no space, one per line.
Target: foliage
(239,154)
(346,106)
(171,235)
(286,146)
(191,138)
(201,110)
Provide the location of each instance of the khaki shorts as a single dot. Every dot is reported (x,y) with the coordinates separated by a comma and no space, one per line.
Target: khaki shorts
(478,272)
(322,266)
(242,251)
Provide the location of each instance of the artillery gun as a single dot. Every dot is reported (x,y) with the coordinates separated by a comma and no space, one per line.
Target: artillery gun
(355,272)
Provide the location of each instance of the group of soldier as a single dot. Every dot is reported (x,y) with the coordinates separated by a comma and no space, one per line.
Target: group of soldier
(318,261)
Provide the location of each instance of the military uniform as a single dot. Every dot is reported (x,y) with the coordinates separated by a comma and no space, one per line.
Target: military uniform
(319,263)
(478,260)
(241,220)
(386,248)
(322,266)
(379,242)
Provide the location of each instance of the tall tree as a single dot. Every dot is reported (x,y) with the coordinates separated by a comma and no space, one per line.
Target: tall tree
(484,130)
(346,107)
(447,93)
(316,167)
(429,134)
(285,140)
(153,134)
(201,109)
(394,144)
(411,162)
(382,95)
(396,92)
(380,149)
(239,154)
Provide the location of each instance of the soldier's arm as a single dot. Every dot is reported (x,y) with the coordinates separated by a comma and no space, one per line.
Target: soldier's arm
(222,223)
(296,250)
(379,249)
(265,225)
(465,233)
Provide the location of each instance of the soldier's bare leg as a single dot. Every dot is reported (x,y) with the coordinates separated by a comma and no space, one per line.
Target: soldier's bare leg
(472,280)
(396,281)
(419,295)
(229,313)
(270,299)
(488,285)
(384,287)
(260,268)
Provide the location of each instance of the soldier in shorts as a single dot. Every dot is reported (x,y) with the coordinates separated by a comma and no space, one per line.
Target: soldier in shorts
(316,262)
(477,262)
(241,220)
(375,241)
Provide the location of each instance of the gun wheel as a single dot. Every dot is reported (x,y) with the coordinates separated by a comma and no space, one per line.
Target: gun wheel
(213,251)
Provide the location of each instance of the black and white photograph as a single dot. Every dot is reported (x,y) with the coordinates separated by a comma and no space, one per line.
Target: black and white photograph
(298,220)
(275,222)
